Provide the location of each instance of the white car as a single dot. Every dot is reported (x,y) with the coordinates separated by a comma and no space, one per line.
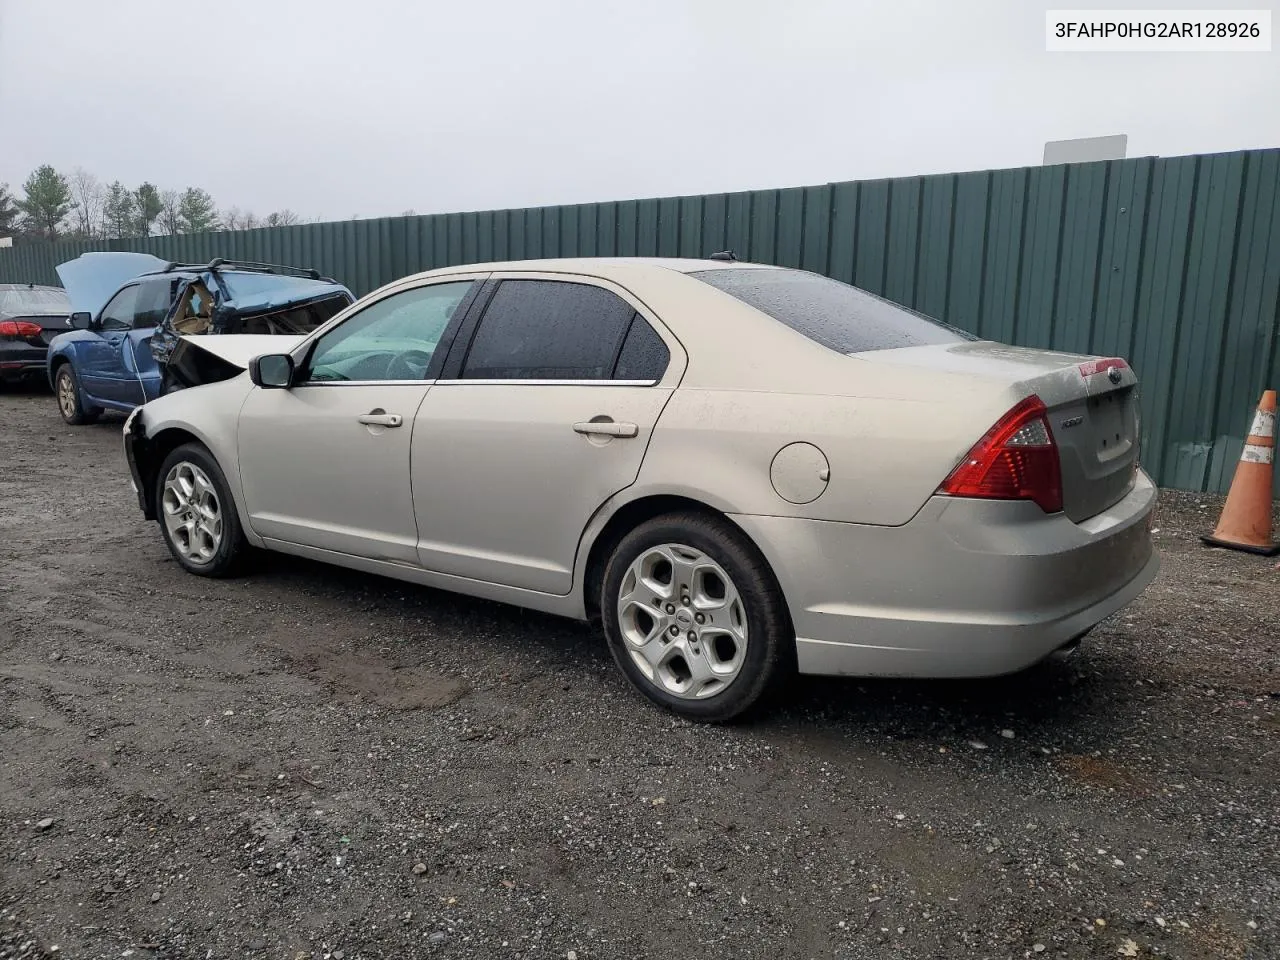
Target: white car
(740,469)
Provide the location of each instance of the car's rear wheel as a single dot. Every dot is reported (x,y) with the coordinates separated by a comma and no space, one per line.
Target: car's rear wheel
(695,618)
(66,388)
(197,515)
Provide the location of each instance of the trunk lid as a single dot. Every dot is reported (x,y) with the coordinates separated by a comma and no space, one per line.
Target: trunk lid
(1092,409)
(50,327)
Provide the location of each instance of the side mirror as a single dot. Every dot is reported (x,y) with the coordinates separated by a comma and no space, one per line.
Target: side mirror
(80,321)
(272,372)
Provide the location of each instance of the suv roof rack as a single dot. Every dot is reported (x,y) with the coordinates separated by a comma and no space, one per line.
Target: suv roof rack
(250,266)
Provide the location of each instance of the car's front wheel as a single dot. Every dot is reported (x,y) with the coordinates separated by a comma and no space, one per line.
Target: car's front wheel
(694,616)
(66,387)
(197,515)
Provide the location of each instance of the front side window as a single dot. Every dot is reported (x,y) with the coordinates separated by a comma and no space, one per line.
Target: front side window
(834,314)
(119,311)
(548,330)
(393,339)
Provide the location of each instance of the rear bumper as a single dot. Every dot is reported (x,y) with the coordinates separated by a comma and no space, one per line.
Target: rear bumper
(967,588)
(22,361)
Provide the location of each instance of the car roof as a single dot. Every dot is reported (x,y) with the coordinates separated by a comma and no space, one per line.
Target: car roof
(600,266)
(194,272)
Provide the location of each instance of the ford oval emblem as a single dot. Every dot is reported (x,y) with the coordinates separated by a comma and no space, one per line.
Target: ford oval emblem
(1114,375)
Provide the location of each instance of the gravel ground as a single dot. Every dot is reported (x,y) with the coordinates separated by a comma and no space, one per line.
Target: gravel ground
(312,763)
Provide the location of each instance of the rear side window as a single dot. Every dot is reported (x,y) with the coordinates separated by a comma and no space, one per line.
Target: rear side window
(153,301)
(644,356)
(836,315)
(548,330)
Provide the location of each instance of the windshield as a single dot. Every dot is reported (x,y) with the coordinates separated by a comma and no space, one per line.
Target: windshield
(843,318)
(34,302)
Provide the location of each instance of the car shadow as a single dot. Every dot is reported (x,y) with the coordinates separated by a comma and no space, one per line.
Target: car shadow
(37,391)
(1048,703)
(30,387)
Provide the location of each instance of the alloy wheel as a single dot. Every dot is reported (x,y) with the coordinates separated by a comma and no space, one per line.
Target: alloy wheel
(66,395)
(683,621)
(192,512)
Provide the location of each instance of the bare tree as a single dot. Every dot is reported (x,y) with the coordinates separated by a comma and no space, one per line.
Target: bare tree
(234,219)
(88,196)
(170,220)
(8,212)
(282,218)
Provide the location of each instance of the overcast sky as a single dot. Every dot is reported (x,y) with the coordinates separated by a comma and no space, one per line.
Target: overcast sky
(337,108)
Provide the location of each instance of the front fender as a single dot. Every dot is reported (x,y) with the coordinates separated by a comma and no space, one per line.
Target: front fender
(64,347)
(208,414)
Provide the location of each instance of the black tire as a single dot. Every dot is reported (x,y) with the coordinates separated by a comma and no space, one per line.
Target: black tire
(70,401)
(770,648)
(232,549)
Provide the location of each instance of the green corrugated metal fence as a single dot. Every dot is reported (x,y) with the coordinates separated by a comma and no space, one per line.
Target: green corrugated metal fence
(1173,263)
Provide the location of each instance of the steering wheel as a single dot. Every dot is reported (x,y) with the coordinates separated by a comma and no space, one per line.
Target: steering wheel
(402,365)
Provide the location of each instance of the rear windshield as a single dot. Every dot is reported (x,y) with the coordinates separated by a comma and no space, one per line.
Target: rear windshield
(834,314)
(291,321)
(251,291)
(34,302)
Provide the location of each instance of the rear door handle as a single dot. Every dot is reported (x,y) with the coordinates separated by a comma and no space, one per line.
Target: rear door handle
(378,418)
(606,428)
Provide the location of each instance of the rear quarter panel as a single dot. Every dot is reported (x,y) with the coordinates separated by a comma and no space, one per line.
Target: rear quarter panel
(890,435)
(886,455)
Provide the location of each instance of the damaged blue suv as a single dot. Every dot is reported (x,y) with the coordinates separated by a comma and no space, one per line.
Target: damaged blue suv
(132,313)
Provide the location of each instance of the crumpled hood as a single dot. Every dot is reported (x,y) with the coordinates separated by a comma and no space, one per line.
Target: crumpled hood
(239,348)
(91,278)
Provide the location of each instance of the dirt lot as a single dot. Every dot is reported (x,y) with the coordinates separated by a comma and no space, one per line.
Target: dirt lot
(322,764)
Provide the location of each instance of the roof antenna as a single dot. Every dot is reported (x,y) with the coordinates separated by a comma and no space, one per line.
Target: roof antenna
(727,255)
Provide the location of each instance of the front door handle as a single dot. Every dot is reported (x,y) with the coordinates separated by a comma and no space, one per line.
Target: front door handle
(606,428)
(380,418)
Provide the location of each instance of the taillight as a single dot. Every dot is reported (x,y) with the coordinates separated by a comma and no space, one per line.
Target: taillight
(1016,460)
(21,329)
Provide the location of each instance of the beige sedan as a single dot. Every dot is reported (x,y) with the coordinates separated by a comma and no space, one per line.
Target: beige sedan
(740,470)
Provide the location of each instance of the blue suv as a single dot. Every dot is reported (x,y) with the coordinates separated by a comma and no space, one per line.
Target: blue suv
(130,310)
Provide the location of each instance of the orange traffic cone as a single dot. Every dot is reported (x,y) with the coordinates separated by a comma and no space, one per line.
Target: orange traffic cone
(1245,523)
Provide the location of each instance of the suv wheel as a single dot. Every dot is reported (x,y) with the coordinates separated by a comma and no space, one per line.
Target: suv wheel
(66,387)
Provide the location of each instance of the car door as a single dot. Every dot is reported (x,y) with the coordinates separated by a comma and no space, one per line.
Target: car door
(548,414)
(326,462)
(155,298)
(117,364)
(98,358)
